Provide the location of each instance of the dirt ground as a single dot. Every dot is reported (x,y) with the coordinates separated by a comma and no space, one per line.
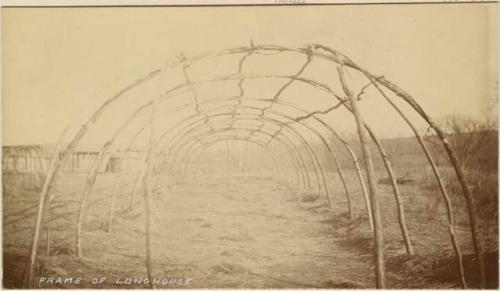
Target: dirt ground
(241,232)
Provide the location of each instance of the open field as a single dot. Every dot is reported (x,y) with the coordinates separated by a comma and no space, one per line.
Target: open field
(244,231)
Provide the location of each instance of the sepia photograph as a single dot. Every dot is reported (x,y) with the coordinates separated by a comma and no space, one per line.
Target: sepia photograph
(239,145)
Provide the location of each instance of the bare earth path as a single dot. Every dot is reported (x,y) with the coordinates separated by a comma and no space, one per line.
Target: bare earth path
(246,233)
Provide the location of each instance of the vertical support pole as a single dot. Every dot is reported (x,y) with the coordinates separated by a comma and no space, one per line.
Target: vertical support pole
(346,190)
(148,178)
(396,192)
(363,186)
(49,216)
(91,178)
(147,207)
(28,275)
(471,211)
(47,246)
(137,183)
(378,252)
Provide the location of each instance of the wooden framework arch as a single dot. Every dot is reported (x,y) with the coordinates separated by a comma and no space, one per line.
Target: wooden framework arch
(288,136)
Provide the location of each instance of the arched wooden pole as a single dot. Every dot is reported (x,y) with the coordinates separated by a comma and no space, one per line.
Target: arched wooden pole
(102,158)
(83,201)
(196,115)
(262,144)
(289,146)
(355,162)
(378,249)
(309,149)
(117,182)
(444,193)
(282,162)
(147,180)
(294,147)
(325,143)
(396,192)
(276,113)
(30,266)
(300,169)
(192,123)
(290,150)
(285,164)
(173,164)
(293,153)
(280,171)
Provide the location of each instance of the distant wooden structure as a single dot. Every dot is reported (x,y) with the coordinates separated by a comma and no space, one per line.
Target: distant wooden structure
(24,159)
(34,159)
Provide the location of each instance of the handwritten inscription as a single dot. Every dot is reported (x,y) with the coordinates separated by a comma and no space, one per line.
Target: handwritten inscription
(118,281)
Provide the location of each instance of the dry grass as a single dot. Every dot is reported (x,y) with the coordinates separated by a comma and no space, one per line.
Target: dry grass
(249,232)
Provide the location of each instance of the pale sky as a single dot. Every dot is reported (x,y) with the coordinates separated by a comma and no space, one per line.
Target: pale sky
(60,64)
